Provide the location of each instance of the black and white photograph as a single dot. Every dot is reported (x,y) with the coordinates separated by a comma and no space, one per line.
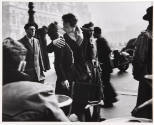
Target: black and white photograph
(77,61)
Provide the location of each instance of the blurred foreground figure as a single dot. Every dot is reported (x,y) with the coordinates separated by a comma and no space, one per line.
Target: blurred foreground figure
(142,65)
(14,55)
(24,100)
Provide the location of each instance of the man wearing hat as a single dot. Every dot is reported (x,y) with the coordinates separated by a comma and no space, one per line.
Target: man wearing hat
(34,67)
(142,64)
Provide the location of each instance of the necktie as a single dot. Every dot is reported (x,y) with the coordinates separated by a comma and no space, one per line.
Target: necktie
(32,42)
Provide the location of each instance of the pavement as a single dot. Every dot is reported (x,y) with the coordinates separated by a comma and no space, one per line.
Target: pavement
(122,108)
(125,86)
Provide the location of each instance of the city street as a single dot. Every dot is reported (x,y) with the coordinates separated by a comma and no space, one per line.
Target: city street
(125,86)
(124,82)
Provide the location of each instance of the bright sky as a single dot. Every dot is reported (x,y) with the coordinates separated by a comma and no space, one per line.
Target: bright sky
(119,16)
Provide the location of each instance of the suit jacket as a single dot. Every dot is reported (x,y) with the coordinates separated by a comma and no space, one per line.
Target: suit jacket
(63,61)
(103,52)
(33,57)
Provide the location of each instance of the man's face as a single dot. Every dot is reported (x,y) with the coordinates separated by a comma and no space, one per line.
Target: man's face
(31,31)
(67,28)
(96,35)
(91,31)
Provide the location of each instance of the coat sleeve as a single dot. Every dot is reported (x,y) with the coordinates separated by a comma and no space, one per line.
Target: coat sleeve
(40,58)
(107,48)
(61,61)
(50,48)
(140,57)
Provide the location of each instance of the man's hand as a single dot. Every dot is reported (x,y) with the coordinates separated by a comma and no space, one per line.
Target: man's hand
(59,42)
(66,84)
(73,118)
(95,62)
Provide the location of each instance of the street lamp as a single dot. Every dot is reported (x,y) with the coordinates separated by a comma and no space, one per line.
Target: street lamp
(31,13)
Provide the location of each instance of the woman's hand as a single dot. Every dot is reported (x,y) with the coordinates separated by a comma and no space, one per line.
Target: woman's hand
(66,84)
(59,42)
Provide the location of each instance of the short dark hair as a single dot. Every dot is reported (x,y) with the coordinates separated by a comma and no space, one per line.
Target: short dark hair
(97,30)
(70,18)
(30,24)
(42,31)
(53,30)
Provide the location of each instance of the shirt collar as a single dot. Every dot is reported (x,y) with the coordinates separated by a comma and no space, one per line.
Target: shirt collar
(29,38)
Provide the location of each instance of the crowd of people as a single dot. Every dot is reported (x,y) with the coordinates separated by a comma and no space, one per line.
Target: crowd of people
(82,65)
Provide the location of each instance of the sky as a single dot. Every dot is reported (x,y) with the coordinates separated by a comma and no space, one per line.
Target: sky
(119,17)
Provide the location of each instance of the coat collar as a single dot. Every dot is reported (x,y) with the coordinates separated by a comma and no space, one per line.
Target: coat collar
(25,41)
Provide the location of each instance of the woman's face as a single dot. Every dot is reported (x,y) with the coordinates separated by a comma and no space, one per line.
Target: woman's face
(67,28)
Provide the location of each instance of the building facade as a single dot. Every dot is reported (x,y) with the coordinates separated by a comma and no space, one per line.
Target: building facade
(15,15)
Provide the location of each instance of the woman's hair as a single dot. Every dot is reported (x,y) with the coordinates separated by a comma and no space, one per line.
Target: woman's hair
(13,52)
(41,32)
(53,30)
(70,18)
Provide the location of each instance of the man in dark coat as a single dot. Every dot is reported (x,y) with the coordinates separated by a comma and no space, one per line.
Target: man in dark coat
(63,61)
(14,54)
(41,35)
(34,67)
(142,63)
(103,52)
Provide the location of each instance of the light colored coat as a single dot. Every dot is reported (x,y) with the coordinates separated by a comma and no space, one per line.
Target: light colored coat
(34,53)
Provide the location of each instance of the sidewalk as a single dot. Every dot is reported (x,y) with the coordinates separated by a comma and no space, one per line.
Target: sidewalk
(122,108)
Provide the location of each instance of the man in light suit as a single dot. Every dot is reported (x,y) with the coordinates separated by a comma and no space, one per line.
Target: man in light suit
(34,67)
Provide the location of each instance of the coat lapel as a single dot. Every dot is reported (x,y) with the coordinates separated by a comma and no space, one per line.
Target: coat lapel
(27,44)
